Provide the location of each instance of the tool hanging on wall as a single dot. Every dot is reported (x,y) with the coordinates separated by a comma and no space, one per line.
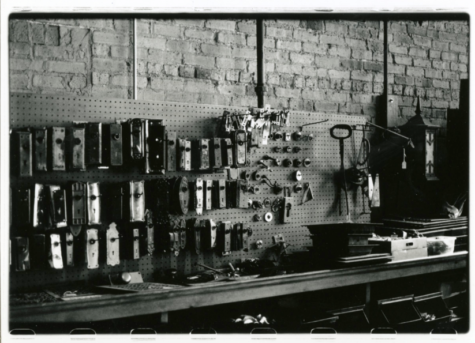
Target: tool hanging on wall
(58,162)
(342,132)
(77,145)
(25,153)
(375,201)
(41,150)
(55,258)
(112,245)
(307,194)
(94,144)
(113,143)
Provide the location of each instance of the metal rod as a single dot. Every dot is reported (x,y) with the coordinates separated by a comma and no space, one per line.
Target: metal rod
(260,88)
(384,120)
(318,122)
(206,267)
(387,130)
(135,58)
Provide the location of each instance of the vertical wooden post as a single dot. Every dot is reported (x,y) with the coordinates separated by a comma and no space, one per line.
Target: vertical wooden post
(385,97)
(134,24)
(260,88)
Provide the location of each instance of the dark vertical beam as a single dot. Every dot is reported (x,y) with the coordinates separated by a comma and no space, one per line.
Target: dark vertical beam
(260,88)
(385,99)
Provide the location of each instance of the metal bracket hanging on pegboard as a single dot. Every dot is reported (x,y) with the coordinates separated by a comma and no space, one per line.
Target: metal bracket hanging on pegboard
(194,122)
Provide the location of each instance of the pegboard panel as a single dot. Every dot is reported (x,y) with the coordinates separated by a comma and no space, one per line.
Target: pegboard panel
(192,122)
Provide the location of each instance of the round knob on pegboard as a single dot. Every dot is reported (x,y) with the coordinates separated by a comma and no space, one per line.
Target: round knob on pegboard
(287,162)
(297,135)
(268,217)
(298,175)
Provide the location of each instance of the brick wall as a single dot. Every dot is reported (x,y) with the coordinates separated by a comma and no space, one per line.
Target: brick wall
(67,56)
(324,66)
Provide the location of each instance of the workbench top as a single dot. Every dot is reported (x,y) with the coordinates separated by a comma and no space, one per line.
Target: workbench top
(135,304)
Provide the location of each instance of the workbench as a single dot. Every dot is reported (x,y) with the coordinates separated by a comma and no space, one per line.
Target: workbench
(128,305)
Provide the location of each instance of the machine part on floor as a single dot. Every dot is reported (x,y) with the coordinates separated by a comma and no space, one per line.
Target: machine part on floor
(342,132)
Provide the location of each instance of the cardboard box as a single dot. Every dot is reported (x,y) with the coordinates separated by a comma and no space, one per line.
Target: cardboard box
(401,249)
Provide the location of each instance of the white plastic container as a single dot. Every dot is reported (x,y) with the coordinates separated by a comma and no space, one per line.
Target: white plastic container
(440,245)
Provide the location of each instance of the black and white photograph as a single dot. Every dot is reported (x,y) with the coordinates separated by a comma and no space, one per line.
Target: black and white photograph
(276,172)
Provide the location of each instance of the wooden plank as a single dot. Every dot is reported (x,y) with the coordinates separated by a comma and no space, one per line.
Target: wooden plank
(126,305)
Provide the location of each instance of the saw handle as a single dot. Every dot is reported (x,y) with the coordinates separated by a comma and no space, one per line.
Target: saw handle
(349,131)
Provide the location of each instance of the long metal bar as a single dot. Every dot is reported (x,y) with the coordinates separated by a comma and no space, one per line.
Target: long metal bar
(260,88)
(386,130)
(135,58)
(384,120)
